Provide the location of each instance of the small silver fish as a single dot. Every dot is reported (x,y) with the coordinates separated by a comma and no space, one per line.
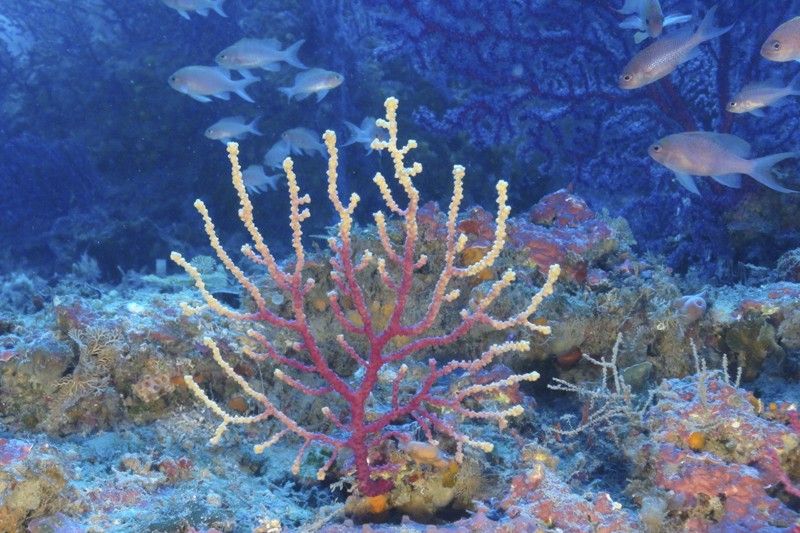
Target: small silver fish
(365,133)
(755,96)
(256,181)
(647,13)
(276,154)
(303,141)
(259,53)
(690,308)
(230,128)
(201,7)
(664,55)
(783,44)
(315,80)
(721,156)
(648,19)
(200,82)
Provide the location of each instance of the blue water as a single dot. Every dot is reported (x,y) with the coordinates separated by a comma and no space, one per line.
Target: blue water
(101,156)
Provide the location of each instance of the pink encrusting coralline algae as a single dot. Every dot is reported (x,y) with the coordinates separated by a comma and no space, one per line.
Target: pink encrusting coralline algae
(360,427)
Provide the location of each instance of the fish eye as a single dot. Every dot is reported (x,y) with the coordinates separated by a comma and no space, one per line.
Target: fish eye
(656,147)
(776,45)
(223,56)
(732,104)
(627,77)
(172,78)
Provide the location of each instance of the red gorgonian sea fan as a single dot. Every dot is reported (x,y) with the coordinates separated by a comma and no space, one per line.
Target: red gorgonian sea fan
(357,429)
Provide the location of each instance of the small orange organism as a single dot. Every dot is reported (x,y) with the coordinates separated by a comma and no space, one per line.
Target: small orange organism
(696,440)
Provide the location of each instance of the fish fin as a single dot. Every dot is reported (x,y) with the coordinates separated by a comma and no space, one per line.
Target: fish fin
(270,42)
(271,67)
(762,170)
(758,113)
(217,7)
(244,72)
(244,96)
(242,84)
(301,96)
(200,98)
(253,126)
(354,131)
(222,96)
(184,14)
(290,55)
(630,6)
(202,11)
(671,20)
(708,30)
(694,53)
(640,36)
(688,182)
(634,22)
(248,76)
(729,180)
(319,148)
(288,91)
(322,94)
(736,145)
(794,85)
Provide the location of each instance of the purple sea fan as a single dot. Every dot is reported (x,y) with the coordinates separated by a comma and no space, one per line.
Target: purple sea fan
(534,83)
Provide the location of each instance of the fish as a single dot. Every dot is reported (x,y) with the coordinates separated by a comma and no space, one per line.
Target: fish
(666,53)
(755,96)
(276,154)
(783,44)
(256,180)
(303,141)
(719,155)
(365,133)
(647,17)
(201,7)
(200,82)
(230,128)
(265,54)
(315,80)
(690,308)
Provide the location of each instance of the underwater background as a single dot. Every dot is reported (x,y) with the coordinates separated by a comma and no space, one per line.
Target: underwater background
(659,375)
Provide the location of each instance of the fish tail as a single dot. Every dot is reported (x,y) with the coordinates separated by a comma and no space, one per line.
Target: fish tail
(290,55)
(708,29)
(794,85)
(253,126)
(355,131)
(242,84)
(629,7)
(763,167)
(216,5)
(288,91)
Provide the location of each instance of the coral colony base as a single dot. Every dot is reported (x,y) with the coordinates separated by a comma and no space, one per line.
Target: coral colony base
(362,427)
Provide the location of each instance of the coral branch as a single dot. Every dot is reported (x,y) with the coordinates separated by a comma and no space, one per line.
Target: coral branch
(357,429)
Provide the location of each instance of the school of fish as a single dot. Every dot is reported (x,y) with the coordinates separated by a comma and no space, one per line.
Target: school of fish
(204,83)
(720,156)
